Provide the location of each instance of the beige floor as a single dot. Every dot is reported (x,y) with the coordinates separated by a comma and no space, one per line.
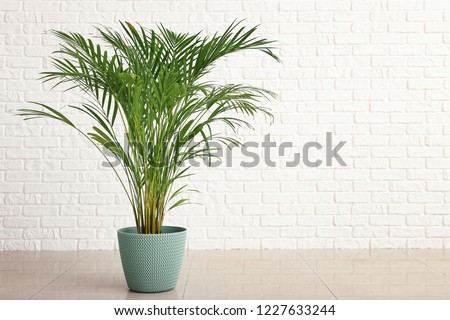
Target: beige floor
(270,274)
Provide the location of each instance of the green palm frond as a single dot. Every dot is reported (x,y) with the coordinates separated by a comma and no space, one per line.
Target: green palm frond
(150,82)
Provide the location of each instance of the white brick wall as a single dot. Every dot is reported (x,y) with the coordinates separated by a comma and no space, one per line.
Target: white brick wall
(375,73)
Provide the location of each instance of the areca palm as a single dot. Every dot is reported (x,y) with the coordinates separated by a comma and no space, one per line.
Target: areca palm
(151,83)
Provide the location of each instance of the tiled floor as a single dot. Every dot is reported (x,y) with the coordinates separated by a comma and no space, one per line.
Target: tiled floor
(270,274)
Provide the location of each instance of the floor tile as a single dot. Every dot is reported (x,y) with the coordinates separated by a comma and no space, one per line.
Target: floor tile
(248,259)
(234,274)
(100,284)
(23,284)
(255,284)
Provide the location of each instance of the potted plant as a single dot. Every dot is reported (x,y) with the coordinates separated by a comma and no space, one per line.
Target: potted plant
(150,83)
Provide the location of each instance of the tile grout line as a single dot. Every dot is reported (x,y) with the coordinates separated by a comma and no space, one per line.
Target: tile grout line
(317,275)
(187,278)
(59,276)
(427,265)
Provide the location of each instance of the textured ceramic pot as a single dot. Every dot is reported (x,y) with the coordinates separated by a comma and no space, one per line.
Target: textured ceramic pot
(152,262)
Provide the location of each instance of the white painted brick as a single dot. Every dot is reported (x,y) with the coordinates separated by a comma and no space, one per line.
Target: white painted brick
(400,186)
(243,198)
(259,209)
(352,197)
(40,233)
(59,199)
(60,176)
(45,211)
(56,222)
(201,244)
(57,17)
(369,232)
(351,174)
(333,186)
(205,221)
(437,209)
(110,210)
(14,153)
(430,38)
(261,233)
(370,185)
(97,199)
(437,5)
(330,5)
(224,233)
(78,187)
(425,243)
(278,221)
(39,6)
(114,6)
(388,174)
(438,185)
(429,197)
(20,222)
(11,187)
(53,188)
(405,5)
(388,243)
(22,245)
(95,222)
(240,221)
(387,220)
(389,61)
(296,5)
(242,244)
(77,6)
(438,232)
(96,17)
(424,15)
(278,243)
(407,232)
(423,221)
(334,232)
(70,233)
(279,198)
(406,209)
(406,27)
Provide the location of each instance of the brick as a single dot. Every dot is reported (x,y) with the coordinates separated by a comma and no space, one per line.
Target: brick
(296,6)
(334,232)
(40,210)
(69,233)
(438,232)
(39,6)
(242,198)
(78,6)
(58,222)
(11,187)
(58,17)
(42,188)
(330,5)
(20,222)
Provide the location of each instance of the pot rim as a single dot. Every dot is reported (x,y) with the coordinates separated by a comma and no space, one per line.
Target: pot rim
(133,231)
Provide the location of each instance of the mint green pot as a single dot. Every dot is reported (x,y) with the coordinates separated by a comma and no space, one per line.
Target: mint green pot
(152,262)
